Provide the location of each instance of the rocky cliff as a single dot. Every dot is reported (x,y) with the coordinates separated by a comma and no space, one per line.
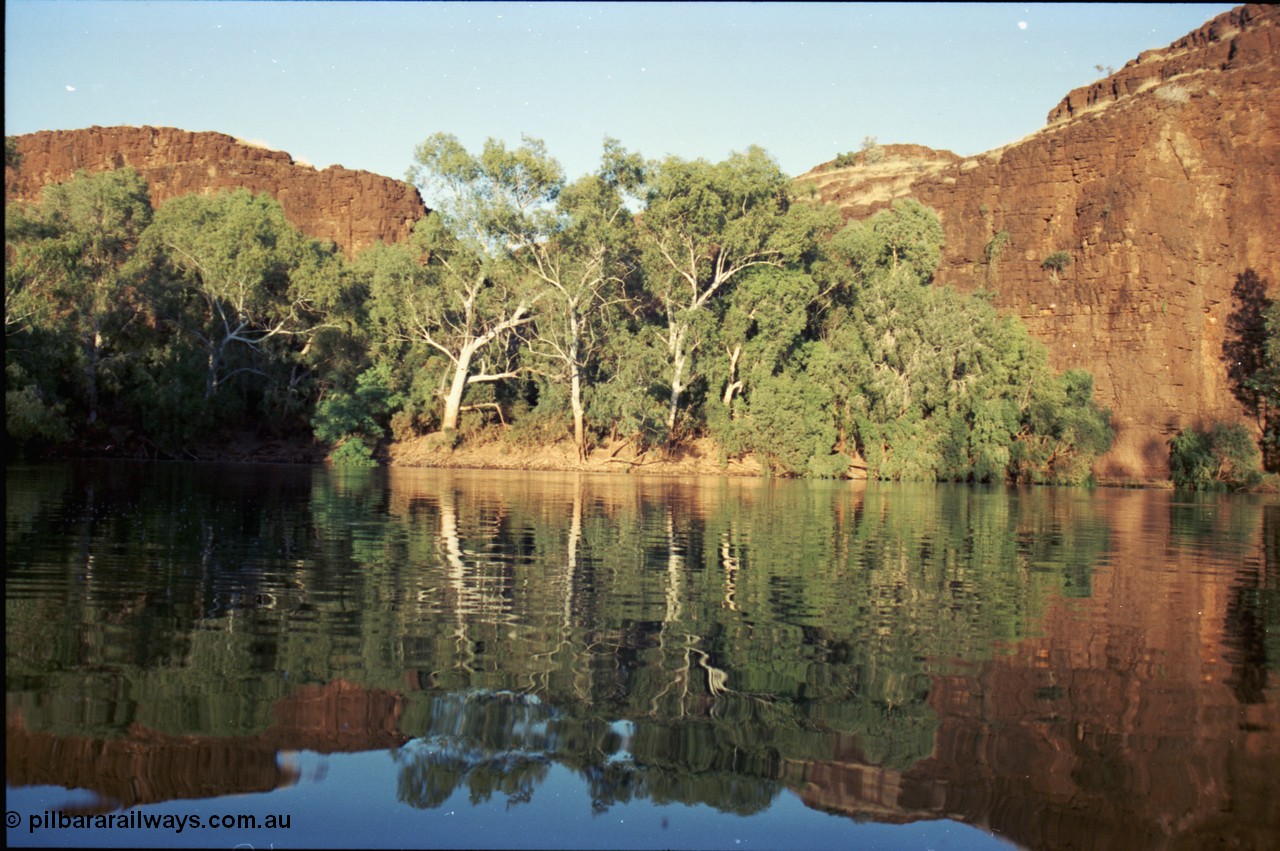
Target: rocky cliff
(353,209)
(1162,183)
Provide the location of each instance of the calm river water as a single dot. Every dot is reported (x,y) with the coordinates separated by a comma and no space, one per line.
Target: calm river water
(431,658)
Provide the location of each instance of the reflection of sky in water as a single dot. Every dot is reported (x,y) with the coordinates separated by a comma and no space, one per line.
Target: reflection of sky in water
(334,803)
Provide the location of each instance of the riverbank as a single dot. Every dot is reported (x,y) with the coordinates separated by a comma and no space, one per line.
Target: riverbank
(695,458)
(490,450)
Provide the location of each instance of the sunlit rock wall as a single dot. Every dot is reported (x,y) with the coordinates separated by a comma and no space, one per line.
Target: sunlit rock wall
(1162,182)
(353,209)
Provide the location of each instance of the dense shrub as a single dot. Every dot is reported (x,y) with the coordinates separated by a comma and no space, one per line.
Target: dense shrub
(1222,458)
(352,421)
(1058,261)
(792,425)
(995,247)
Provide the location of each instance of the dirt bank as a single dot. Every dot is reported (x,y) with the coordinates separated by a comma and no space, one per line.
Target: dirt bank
(698,458)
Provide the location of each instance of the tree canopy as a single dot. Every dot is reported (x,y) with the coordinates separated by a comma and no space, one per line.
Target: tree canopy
(655,301)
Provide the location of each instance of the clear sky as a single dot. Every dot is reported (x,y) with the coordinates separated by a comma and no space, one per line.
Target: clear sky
(361,84)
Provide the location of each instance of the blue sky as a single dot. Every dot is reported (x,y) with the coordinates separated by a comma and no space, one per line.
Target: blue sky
(361,84)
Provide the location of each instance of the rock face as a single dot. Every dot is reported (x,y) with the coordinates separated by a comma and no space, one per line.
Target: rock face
(1162,183)
(866,185)
(353,209)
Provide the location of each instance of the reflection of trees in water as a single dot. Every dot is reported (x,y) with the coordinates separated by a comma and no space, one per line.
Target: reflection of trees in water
(738,627)
(761,621)
(804,605)
(1252,646)
(1218,526)
(431,772)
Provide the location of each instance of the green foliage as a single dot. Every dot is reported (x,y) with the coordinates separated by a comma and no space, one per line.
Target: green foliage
(934,386)
(442,440)
(652,302)
(761,323)
(908,237)
(628,400)
(1065,431)
(585,257)
(1056,262)
(352,451)
(481,258)
(251,292)
(905,450)
(703,226)
(71,283)
(1191,460)
(791,426)
(12,159)
(834,465)
(544,423)
(158,330)
(353,422)
(480,197)
(29,419)
(1251,350)
(872,152)
(1222,458)
(170,391)
(995,247)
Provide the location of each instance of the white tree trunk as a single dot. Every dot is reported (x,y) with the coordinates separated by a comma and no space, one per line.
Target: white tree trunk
(579,425)
(677,378)
(453,401)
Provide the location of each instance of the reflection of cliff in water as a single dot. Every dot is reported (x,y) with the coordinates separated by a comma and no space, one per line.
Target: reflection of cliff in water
(1145,717)
(1049,664)
(144,766)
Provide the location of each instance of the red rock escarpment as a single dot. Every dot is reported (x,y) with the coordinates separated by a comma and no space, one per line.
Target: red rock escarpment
(1162,182)
(353,209)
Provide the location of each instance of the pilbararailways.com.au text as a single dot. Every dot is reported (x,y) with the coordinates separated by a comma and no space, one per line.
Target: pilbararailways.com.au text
(136,820)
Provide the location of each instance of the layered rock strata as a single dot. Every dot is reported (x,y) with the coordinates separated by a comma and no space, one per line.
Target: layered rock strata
(1161,183)
(353,209)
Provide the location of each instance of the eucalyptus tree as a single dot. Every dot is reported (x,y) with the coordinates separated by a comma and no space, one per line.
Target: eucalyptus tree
(69,269)
(761,322)
(906,238)
(454,307)
(703,225)
(583,253)
(472,297)
(772,308)
(256,289)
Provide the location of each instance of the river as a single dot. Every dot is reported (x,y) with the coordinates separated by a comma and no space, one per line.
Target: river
(274,656)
